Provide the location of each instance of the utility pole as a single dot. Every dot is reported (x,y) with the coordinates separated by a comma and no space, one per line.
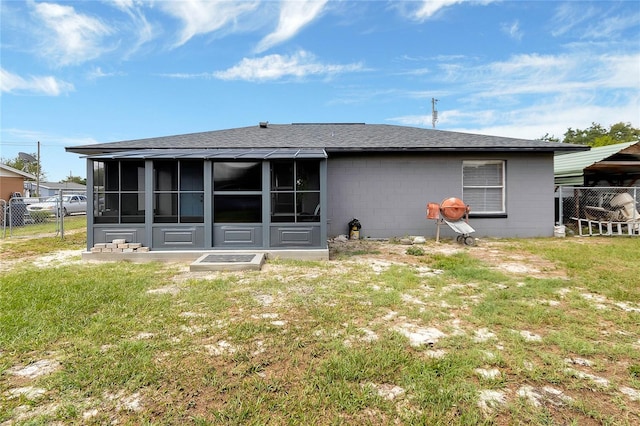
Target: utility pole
(38,172)
(434,112)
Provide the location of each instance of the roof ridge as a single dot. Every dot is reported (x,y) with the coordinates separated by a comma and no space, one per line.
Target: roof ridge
(328,124)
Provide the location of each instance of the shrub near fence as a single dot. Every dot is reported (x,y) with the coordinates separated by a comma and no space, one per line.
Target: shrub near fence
(600,210)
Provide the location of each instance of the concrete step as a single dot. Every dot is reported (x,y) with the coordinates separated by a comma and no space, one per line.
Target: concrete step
(228,262)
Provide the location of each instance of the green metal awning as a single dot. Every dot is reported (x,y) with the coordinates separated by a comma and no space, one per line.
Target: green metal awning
(569,168)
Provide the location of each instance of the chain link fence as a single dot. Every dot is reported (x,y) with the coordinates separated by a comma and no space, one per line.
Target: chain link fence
(599,210)
(22,217)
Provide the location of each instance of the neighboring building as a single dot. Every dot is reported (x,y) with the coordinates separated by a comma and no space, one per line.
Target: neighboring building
(48,189)
(610,165)
(12,181)
(278,187)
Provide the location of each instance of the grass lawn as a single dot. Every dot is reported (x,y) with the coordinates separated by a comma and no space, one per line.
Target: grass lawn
(539,331)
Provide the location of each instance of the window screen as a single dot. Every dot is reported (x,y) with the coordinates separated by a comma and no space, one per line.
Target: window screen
(237,187)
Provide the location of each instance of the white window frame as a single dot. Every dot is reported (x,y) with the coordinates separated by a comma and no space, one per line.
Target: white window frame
(478,209)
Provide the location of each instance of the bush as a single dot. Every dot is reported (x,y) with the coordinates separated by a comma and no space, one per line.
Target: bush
(415,251)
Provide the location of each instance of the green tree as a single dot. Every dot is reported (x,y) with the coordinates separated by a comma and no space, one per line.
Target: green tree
(75,179)
(624,132)
(26,166)
(596,135)
(549,138)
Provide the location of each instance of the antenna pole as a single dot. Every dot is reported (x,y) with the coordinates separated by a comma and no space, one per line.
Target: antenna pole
(434,112)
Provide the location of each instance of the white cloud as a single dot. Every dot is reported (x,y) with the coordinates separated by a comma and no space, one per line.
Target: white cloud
(569,16)
(547,74)
(592,22)
(513,30)
(447,118)
(204,16)
(274,67)
(69,37)
(141,26)
(187,76)
(547,116)
(294,15)
(428,8)
(611,27)
(97,73)
(123,4)
(358,95)
(529,95)
(47,85)
(49,139)
(552,116)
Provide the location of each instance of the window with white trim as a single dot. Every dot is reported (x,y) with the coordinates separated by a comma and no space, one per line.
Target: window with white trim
(483,186)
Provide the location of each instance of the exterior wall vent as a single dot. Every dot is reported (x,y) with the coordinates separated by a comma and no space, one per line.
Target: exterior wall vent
(264,124)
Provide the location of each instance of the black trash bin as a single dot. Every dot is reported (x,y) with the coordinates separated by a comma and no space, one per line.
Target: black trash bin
(17,210)
(354,229)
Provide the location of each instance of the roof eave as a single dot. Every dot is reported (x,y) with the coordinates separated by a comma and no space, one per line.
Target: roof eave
(88,151)
(454,149)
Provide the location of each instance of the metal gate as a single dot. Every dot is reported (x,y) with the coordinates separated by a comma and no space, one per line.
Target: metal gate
(44,216)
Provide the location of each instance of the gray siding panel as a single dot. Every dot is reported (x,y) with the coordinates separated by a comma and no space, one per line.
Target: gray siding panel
(237,236)
(295,236)
(187,238)
(108,234)
(389,194)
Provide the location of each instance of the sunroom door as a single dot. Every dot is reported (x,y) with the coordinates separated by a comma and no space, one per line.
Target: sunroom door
(295,203)
(237,204)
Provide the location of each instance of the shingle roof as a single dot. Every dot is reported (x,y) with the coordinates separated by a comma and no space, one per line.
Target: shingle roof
(63,185)
(337,137)
(10,171)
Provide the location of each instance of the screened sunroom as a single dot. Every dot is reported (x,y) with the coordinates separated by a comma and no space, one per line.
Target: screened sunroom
(209,198)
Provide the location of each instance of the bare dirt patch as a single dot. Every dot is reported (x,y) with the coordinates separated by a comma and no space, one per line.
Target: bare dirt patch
(382,254)
(36,369)
(494,254)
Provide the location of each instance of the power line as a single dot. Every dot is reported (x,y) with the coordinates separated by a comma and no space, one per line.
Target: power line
(3,143)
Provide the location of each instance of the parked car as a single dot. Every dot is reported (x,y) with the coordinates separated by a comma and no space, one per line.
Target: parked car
(73,203)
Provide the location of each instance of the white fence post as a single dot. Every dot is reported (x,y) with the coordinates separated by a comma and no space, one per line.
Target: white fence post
(560,203)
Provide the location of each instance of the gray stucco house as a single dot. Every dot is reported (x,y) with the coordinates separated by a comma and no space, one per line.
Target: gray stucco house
(279,187)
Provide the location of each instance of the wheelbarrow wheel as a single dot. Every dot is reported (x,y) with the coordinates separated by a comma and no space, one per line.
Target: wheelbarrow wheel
(469,241)
(460,239)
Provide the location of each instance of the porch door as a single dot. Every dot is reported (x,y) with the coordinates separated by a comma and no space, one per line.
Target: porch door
(295,191)
(237,204)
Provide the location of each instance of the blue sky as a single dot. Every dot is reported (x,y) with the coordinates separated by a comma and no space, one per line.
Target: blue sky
(81,72)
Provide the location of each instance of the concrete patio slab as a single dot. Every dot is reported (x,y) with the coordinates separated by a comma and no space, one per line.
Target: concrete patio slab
(228,262)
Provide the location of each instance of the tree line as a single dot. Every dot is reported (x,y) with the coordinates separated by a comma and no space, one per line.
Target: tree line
(596,135)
